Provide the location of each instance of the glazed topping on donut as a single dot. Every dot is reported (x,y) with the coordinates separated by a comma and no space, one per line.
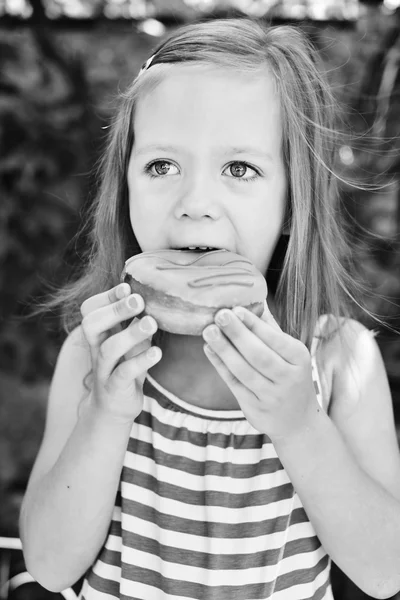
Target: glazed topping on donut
(205,269)
(224,273)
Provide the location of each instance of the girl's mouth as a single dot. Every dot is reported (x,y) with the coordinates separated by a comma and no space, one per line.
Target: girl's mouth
(199,249)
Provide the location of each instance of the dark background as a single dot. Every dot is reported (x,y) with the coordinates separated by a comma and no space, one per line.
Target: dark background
(61,66)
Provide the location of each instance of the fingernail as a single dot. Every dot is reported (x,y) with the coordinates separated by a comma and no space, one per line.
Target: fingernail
(133,302)
(122,291)
(146,325)
(223,318)
(211,334)
(153,353)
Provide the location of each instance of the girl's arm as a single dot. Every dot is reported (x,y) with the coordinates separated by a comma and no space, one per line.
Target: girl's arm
(71,492)
(346,469)
(68,506)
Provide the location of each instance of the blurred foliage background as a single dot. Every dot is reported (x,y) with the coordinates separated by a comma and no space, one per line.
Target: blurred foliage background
(61,65)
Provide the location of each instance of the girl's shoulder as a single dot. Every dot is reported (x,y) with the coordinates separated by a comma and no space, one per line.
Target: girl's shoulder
(360,401)
(344,345)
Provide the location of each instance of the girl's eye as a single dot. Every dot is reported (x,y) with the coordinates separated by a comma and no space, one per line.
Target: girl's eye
(161,167)
(237,169)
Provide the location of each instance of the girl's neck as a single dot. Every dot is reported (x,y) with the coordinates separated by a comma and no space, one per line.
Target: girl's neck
(186,372)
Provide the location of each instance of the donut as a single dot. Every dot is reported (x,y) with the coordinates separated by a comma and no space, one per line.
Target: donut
(183,289)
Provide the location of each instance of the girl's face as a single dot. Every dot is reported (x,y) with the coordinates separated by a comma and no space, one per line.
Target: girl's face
(206,168)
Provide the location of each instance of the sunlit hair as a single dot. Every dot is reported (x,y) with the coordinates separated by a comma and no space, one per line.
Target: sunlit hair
(313,273)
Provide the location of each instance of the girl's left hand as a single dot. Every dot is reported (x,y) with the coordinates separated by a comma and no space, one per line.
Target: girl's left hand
(268,371)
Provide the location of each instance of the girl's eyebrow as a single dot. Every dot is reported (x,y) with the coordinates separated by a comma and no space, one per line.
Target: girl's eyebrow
(223,151)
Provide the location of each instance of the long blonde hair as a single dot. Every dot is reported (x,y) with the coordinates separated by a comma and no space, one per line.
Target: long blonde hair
(314,277)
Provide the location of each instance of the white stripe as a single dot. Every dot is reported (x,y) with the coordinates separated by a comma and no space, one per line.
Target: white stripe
(91,594)
(306,560)
(242,456)
(215,514)
(296,501)
(116,516)
(114,542)
(300,531)
(204,413)
(147,592)
(226,485)
(306,590)
(198,543)
(107,571)
(197,423)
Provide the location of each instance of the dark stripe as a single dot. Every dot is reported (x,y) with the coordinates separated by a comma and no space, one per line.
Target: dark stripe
(150,390)
(299,576)
(257,591)
(247,441)
(205,467)
(103,585)
(209,528)
(319,594)
(110,557)
(207,497)
(298,515)
(301,546)
(202,560)
(115,528)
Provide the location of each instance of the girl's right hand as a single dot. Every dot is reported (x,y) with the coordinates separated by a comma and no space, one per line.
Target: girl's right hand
(120,360)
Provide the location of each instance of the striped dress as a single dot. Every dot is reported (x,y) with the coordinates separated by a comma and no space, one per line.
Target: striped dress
(205,510)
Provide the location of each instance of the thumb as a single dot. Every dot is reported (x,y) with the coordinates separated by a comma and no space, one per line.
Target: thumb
(268,318)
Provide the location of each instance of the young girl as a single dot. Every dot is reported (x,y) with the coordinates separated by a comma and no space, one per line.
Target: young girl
(236,464)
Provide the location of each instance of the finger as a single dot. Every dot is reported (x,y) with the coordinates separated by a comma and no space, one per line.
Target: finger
(96,325)
(287,347)
(105,298)
(139,348)
(252,363)
(240,391)
(268,317)
(259,355)
(125,374)
(115,347)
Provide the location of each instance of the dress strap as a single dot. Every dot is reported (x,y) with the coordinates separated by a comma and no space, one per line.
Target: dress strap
(321,322)
(314,345)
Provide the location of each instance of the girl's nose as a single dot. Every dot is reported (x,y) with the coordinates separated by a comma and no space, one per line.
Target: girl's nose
(198,200)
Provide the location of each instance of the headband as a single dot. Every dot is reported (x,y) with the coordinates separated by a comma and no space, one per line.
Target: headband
(146,65)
